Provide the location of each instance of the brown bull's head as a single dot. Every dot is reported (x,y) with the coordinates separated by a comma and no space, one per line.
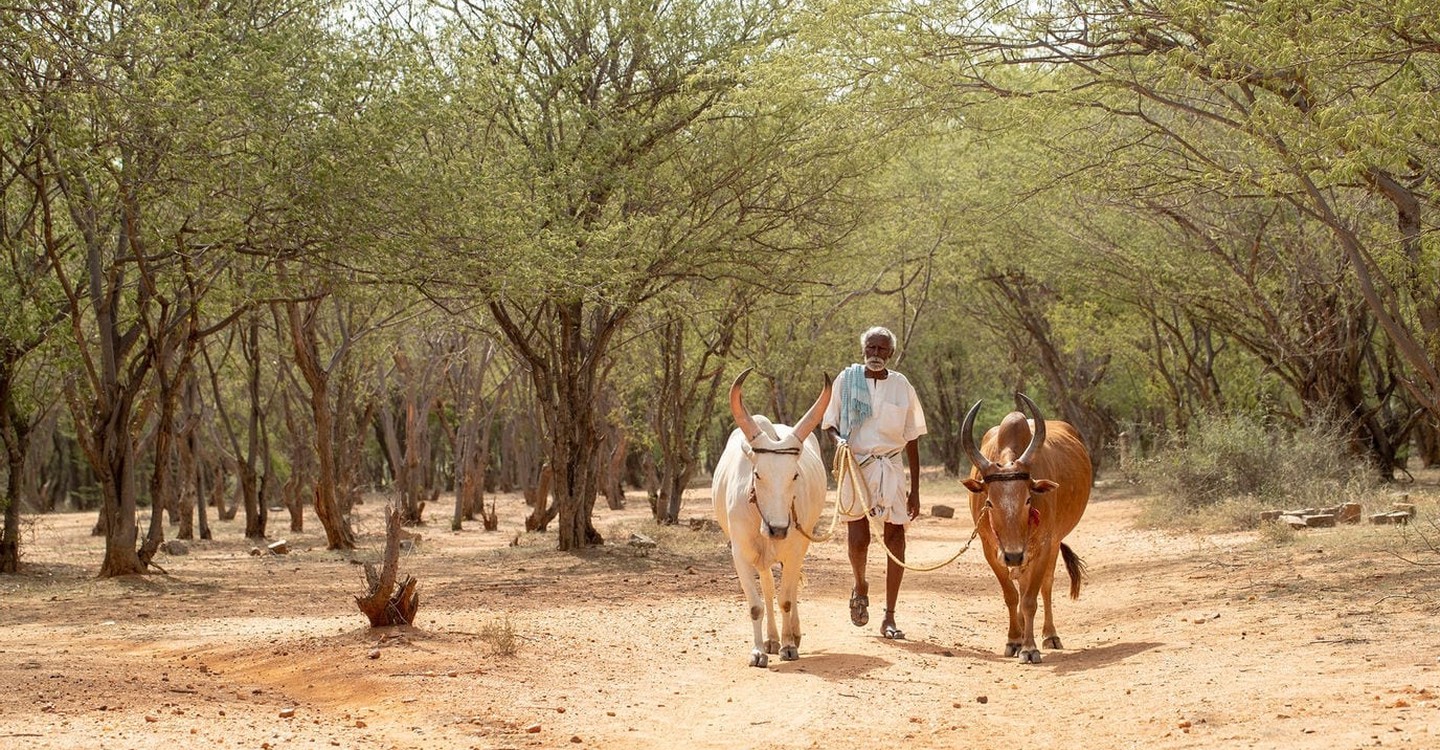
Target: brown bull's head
(776,460)
(1004,482)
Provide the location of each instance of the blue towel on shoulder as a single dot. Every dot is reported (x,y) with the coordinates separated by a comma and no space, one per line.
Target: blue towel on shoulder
(855,405)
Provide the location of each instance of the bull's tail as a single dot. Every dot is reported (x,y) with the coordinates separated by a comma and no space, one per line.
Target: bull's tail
(1075,567)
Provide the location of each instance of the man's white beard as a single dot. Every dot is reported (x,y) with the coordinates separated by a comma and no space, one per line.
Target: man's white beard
(875,364)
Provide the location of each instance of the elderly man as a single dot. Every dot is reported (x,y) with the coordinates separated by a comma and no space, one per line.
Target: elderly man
(876,411)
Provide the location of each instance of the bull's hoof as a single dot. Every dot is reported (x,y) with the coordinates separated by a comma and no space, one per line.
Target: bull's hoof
(1012,649)
(1052,643)
(759,659)
(789,653)
(772,647)
(1030,657)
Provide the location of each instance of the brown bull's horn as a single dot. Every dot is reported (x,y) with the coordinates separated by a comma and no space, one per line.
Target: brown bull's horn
(1037,438)
(743,420)
(967,441)
(811,420)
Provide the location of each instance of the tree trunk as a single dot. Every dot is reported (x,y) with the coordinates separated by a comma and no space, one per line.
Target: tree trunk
(118,503)
(615,469)
(1427,442)
(538,497)
(13,431)
(298,486)
(338,534)
(15,434)
(566,373)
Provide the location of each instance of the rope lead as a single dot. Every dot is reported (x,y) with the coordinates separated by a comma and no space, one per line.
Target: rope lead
(845,470)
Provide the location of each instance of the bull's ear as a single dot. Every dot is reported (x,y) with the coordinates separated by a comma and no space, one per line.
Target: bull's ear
(974,485)
(1042,486)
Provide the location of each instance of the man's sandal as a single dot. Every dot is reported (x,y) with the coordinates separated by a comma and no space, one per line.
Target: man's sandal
(859,609)
(889,630)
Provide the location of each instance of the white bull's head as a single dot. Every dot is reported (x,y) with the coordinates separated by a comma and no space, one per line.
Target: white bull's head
(775,459)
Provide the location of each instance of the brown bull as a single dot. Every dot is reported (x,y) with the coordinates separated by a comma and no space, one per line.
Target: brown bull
(1028,490)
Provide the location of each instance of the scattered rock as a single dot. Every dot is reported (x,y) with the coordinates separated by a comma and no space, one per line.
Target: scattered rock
(982,699)
(374,654)
(1394,517)
(175,547)
(533,729)
(281,547)
(942,511)
(1293,521)
(704,524)
(1302,518)
(287,712)
(642,541)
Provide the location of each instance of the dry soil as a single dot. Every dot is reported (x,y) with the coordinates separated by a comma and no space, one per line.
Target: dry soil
(1178,641)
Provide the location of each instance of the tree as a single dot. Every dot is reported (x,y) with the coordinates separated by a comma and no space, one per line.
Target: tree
(1321,107)
(30,310)
(627,148)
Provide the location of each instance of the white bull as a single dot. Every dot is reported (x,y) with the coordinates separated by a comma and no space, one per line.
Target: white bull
(770,478)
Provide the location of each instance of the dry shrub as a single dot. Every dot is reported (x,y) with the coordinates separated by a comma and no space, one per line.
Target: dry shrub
(676,539)
(1278,534)
(1229,468)
(500,637)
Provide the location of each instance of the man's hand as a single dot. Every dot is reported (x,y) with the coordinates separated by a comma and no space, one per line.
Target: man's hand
(912,504)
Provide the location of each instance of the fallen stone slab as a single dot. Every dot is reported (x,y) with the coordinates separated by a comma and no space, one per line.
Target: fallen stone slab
(1348,513)
(1293,521)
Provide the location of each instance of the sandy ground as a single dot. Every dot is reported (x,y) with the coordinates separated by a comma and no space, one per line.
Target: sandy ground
(1177,641)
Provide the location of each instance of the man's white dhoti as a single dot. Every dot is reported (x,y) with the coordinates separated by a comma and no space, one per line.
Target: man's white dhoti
(878,444)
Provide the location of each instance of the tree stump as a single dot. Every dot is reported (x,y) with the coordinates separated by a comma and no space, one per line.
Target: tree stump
(490,518)
(385,604)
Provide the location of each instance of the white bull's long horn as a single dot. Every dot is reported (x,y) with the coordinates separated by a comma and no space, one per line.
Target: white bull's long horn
(811,420)
(967,441)
(742,417)
(1037,437)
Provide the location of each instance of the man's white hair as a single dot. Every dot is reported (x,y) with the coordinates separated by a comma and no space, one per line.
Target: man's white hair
(883,331)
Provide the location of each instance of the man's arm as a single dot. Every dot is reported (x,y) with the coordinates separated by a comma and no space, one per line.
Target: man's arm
(912,456)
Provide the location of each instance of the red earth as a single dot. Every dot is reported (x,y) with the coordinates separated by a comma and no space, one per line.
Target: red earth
(1178,641)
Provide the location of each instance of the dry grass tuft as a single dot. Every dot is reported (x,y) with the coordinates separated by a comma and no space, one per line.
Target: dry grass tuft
(500,637)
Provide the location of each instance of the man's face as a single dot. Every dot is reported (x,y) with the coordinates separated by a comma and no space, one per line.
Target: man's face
(878,351)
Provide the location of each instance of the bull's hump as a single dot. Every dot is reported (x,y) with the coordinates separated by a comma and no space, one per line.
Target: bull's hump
(1012,435)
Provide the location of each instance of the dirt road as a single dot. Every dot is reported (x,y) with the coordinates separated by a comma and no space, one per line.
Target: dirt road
(1177,641)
